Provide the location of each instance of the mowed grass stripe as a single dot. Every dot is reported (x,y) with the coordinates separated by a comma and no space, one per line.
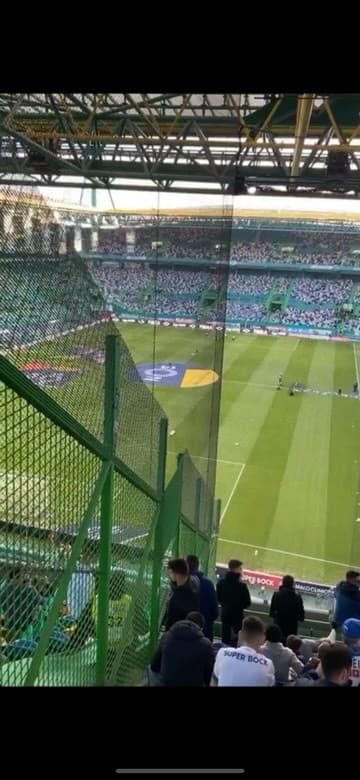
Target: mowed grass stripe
(342,533)
(242,356)
(257,496)
(299,520)
(248,359)
(188,410)
(245,419)
(248,415)
(245,406)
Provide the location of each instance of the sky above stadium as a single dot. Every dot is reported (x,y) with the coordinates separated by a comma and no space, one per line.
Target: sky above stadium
(152,200)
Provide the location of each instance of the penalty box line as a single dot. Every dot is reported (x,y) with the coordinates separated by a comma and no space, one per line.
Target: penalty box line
(241,471)
(217,460)
(284,552)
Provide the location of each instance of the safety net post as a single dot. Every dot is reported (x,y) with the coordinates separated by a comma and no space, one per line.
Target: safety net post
(111,411)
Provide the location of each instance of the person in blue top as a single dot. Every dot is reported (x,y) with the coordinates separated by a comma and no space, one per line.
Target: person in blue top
(207,593)
(351,635)
(347,599)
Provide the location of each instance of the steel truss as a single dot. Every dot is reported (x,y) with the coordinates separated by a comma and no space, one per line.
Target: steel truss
(276,144)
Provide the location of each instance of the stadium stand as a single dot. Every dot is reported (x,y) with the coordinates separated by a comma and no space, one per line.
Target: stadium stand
(304,301)
(299,248)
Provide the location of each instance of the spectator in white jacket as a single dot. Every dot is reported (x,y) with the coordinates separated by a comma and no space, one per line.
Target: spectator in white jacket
(245,666)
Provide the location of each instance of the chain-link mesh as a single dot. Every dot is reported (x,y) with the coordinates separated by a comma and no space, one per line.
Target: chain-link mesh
(212,536)
(130,582)
(187,544)
(53,329)
(174,273)
(190,498)
(47,480)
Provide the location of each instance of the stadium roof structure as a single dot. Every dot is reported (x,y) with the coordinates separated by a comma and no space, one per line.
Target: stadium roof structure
(119,217)
(305,144)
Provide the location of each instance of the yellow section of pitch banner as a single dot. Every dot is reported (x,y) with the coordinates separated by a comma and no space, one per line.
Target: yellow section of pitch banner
(199,377)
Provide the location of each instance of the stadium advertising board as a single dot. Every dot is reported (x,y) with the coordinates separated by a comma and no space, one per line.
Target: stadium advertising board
(98,355)
(307,333)
(277,331)
(313,334)
(46,375)
(273,582)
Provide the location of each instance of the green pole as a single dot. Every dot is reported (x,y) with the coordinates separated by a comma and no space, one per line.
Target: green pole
(180,463)
(162,456)
(197,518)
(213,535)
(65,579)
(158,537)
(111,404)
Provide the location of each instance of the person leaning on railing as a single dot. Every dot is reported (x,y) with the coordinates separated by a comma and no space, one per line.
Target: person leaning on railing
(20,604)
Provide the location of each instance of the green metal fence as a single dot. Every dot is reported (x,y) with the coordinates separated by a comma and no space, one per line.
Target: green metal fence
(84,538)
(86,524)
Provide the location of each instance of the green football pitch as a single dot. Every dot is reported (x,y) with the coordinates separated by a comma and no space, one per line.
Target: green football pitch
(288,466)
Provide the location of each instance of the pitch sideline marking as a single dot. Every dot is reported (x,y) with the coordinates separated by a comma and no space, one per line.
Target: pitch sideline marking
(251,384)
(233,491)
(356,368)
(283,552)
(217,460)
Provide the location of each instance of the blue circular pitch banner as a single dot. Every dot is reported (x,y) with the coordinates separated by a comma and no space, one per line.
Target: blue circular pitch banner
(176,375)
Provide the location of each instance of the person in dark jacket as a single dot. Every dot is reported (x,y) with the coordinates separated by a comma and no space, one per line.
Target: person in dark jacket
(184,656)
(287,608)
(234,598)
(347,596)
(185,596)
(207,593)
(19,604)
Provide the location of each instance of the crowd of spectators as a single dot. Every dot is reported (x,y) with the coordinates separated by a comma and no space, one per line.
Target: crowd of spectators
(298,248)
(114,278)
(266,252)
(252,312)
(319,291)
(40,299)
(249,284)
(184,282)
(170,306)
(352,325)
(25,601)
(112,242)
(356,297)
(178,293)
(281,284)
(251,654)
(311,318)
(188,653)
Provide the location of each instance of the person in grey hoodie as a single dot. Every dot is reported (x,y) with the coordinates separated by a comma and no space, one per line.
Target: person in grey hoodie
(284,659)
